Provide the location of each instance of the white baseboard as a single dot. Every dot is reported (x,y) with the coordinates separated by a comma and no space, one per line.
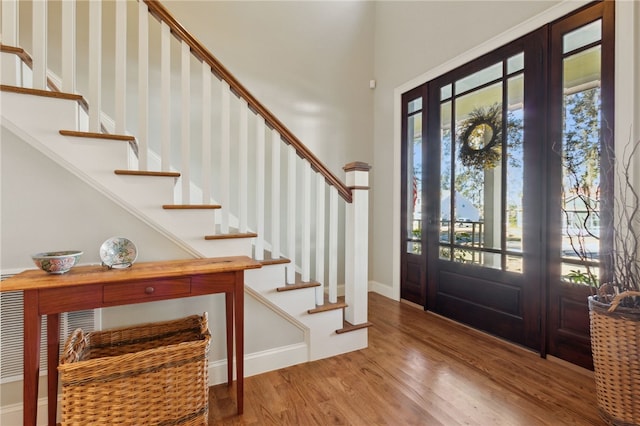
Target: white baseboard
(383,289)
(255,363)
(262,362)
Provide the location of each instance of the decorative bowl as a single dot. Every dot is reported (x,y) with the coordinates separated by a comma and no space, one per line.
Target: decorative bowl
(118,252)
(56,262)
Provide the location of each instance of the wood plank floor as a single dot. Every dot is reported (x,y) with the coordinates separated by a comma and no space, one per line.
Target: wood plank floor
(419,369)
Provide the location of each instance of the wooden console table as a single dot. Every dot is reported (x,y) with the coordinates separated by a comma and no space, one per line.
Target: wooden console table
(90,287)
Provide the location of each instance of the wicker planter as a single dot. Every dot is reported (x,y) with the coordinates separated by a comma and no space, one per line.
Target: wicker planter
(149,374)
(615,345)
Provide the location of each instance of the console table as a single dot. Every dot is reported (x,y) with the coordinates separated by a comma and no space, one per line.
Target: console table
(90,287)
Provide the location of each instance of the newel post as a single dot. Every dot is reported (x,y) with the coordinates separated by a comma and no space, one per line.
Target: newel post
(357,243)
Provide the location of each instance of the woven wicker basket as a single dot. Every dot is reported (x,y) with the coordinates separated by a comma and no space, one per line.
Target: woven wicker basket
(148,374)
(615,345)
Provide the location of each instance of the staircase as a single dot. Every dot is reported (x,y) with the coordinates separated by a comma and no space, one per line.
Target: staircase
(243,185)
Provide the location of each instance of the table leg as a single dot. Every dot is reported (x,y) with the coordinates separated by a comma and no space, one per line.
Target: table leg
(32,330)
(228,298)
(239,323)
(53,358)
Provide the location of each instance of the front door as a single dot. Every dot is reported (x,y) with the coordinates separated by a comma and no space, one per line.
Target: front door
(486,216)
(489,206)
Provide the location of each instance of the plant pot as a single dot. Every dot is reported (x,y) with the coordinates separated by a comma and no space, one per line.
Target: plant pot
(615,345)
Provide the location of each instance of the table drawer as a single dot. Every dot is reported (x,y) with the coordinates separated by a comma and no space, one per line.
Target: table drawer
(146,290)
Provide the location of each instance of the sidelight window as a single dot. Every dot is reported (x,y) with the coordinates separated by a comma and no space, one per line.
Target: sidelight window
(414,177)
(581,154)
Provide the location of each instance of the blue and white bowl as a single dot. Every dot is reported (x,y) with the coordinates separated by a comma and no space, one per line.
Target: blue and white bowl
(56,262)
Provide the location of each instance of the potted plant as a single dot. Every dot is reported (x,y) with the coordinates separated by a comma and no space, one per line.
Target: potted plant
(614,307)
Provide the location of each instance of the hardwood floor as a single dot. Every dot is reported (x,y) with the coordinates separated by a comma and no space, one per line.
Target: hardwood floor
(419,369)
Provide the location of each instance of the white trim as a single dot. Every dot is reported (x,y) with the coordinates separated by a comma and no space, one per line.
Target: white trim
(261,362)
(12,414)
(382,289)
(627,70)
(514,33)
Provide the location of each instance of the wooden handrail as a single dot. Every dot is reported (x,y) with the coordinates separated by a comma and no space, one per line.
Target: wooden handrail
(158,11)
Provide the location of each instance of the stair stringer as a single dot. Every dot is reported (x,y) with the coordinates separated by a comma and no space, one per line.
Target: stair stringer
(322,338)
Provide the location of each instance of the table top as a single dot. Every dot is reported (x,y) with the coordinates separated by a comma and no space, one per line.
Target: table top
(35,279)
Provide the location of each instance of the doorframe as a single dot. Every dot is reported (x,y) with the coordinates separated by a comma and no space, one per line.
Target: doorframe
(627,119)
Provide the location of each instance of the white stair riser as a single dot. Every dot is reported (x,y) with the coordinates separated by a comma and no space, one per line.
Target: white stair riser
(332,344)
(221,248)
(266,278)
(295,302)
(42,115)
(92,154)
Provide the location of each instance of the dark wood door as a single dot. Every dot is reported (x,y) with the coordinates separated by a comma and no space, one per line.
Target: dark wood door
(513,177)
(483,237)
(579,181)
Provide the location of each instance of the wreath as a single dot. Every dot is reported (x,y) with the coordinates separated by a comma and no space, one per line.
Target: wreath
(481,137)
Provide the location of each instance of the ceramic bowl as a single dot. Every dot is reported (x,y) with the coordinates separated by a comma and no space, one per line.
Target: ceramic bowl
(56,262)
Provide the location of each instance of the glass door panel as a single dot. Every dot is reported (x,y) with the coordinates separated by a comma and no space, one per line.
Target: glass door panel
(581,145)
(414,177)
(481,167)
(514,172)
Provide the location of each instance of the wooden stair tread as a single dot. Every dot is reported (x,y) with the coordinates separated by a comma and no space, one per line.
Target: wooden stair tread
(191,206)
(278,261)
(299,285)
(39,92)
(327,307)
(75,133)
(233,233)
(146,173)
(268,259)
(352,327)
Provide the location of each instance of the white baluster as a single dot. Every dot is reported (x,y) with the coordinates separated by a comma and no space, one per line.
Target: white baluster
(121,68)
(243,166)
(276,142)
(260,185)
(68,46)
(320,218)
(206,133)
(291,216)
(225,156)
(143,86)
(185,78)
(11,70)
(39,54)
(165,98)
(95,64)
(305,261)
(356,243)
(333,244)
(9,22)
